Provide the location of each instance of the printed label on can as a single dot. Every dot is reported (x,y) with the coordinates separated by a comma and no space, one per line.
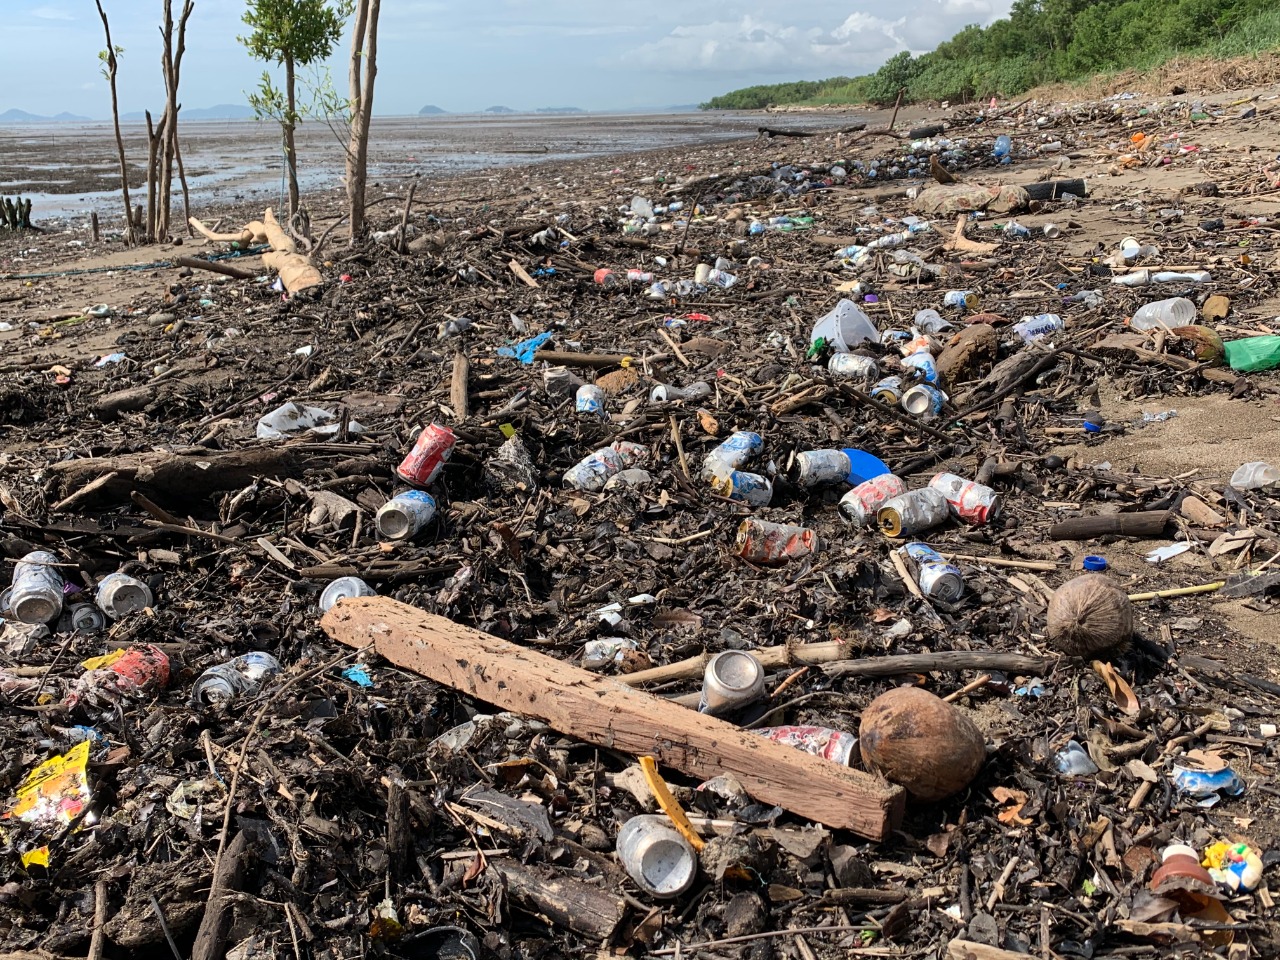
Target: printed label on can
(750,488)
(815,467)
(424,462)
(834,745)
(969,500)
(860,504)
(888,390)
(852,365)
(763,542)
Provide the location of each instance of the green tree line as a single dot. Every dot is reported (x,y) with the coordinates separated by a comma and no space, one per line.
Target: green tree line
(1041,41)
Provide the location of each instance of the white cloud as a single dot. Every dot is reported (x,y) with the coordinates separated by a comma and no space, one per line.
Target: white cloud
(52,13)
(753,44)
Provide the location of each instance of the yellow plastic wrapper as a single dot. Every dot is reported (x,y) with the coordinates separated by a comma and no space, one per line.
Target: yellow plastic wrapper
(53,796)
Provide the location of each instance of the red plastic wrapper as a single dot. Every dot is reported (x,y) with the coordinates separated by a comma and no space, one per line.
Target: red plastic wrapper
(424,462)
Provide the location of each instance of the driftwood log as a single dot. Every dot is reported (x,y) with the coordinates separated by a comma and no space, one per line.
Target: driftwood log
(167,475)
(1144,523)
(565,901)
(602,711)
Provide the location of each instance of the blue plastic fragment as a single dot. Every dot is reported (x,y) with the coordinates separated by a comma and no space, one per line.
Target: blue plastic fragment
(525,349)
(1205,787)
(359,676)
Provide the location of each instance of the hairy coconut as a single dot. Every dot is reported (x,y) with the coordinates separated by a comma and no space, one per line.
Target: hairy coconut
(1088,616)
(920,742)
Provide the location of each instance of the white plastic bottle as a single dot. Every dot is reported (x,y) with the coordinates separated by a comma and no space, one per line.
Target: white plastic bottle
(1174,312)
(1255,476)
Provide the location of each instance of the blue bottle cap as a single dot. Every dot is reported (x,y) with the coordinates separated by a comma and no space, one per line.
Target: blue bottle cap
(1094,563)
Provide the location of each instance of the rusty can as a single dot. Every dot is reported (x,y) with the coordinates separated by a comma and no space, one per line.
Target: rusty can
(749,488)
(424,462)
(763,542)
(852,365)
(969,500)
(938,579)
(888,390)
(732,679)
(912,512)
(834,745)
(859,505)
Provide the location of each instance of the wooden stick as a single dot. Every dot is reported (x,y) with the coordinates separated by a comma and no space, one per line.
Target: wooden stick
(213,266)
(458,394)
(564,358)
(908,580)
(211,938)
(1180,591)
(599,710)
(1044,566)
(1145,523)
(564,900)
(771,658)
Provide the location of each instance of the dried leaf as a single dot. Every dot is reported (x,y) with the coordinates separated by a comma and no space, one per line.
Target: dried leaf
(1209,761)
(708,423)
(1121,692)
(1016,800)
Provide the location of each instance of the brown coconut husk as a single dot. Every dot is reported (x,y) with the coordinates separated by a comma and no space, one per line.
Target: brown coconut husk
(921,742)
(1089,616)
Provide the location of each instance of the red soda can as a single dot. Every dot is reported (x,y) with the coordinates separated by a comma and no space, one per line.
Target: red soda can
(968,499)
(137,673)
(606,277)
(424,462)
(860,504)
(763,542)
(834,745)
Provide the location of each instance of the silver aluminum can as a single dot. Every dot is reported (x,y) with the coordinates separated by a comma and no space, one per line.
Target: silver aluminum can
(817,467)
(343,588)
(941,581)
(924,400)
(405,514)
(750,488)
(590,399)
(656,856)
(913,512)
(732,679)
(36,594)
(736,450)
(888,390)
(860,505)
(853,365)
(120,594)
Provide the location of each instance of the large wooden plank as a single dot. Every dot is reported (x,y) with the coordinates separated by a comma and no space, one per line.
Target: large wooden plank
(602,711)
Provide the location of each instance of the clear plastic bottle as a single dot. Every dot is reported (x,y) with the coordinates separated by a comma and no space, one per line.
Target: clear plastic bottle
(1255,476)
(1003,148)
(1174,312)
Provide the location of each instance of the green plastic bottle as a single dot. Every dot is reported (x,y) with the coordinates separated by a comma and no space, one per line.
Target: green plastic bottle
(1253,353)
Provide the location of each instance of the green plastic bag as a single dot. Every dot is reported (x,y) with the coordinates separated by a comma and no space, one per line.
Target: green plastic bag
(1253,353)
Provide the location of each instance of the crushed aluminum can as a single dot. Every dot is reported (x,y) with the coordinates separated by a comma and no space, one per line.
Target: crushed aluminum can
(923,363)
(134,673)
(239,677)
(593,471)
(853,366)
(970,501)
(120,595)
(860,505)
(37,592)
(749,488)
(760,541)
(1039,326)
(817,467)
(924,400)
(732,679)
(913,512)
(834,745)
(938,578)
(736,450)
(342,589)
(424,462)
(405,514)
(1207,787)
(590,399)
(888,390)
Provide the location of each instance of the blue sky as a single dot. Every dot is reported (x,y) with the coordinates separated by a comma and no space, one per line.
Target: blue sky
(467,56)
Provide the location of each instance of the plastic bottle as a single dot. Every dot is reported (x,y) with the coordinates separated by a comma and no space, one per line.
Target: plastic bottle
(36,596)
(1174,312)
(1253,353)
(1042,325)
(1003,148)
(665,392)
(1255,476)
(120,594)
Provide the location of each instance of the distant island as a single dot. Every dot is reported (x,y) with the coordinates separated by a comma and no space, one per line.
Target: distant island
(500,110)
(223,111)
(562,111)
(21,116)
(431,110)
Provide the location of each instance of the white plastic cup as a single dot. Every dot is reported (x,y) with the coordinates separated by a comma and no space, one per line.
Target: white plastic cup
(36,595)
(120,594)
(405,514)
(342,589)
(656,856)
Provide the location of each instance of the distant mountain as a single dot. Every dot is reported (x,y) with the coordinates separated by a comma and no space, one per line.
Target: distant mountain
(431,110)
(500,110)
(21,116)
(562,111)
(223,111)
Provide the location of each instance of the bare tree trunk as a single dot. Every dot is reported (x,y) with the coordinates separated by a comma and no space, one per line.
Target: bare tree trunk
(112,65)
(155,137)
(364,47)
(290,124)
(171,63)
(186,194)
